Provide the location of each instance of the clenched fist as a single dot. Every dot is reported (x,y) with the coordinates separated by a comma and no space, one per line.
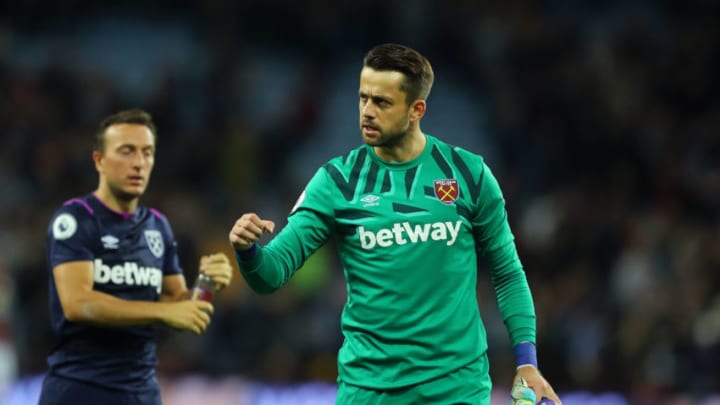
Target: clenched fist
(248,229)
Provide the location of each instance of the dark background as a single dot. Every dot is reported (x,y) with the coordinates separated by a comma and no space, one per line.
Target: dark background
(600,119)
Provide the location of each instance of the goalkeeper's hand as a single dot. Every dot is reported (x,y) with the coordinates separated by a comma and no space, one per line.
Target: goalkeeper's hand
(521,394)
(536,383)
(247,230)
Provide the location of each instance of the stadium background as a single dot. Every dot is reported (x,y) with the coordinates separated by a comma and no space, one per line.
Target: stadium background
(600,119)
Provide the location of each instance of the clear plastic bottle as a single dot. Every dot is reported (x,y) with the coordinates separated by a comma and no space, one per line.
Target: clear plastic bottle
(204,288)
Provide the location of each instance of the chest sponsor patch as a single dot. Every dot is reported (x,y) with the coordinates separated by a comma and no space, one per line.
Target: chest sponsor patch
(402,233)
(127,274)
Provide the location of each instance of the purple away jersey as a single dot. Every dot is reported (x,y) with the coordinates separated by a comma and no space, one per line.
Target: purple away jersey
(130,254)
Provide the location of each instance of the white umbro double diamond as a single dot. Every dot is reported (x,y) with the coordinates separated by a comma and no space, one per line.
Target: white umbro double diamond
(370,201)
(110,241)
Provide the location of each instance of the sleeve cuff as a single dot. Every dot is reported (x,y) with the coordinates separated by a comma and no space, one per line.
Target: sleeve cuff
(525,354)
(246,255)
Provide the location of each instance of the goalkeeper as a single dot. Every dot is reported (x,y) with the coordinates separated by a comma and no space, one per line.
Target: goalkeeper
(411,213)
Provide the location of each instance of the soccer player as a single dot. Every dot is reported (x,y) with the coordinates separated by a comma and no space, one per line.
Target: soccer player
(411,214)
(114,274)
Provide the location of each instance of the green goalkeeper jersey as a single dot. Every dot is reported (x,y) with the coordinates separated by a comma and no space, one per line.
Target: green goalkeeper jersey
(408,236)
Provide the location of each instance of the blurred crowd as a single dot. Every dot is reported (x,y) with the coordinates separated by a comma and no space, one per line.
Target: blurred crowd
(600,119)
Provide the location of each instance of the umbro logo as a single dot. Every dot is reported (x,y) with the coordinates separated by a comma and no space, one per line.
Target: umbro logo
(370,201)
(110,242)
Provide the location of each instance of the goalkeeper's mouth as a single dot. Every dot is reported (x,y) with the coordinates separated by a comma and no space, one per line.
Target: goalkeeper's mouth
(136,180)
(370,130)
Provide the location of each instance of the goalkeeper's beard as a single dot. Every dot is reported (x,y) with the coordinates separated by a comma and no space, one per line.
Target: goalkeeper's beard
(388,139)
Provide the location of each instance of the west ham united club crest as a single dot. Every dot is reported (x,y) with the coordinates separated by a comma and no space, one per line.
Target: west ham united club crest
(447,190)
(155,242)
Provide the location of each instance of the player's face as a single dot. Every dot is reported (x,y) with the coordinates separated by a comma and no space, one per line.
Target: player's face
(127,161)
(384,113)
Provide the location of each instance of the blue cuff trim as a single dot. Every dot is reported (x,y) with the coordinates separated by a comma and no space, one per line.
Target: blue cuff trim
(525,354)
(246,255)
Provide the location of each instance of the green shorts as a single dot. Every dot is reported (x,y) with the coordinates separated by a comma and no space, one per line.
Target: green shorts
(469,385)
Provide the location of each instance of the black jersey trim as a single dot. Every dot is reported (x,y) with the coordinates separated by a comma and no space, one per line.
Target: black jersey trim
(473,187)
(347,187)
(442,162)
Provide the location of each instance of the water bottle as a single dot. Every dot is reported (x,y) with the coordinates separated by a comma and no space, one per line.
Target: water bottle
(522,394)
(204,288)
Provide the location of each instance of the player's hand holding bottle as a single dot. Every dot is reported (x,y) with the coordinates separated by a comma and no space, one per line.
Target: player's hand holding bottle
(215,272)
(193,316)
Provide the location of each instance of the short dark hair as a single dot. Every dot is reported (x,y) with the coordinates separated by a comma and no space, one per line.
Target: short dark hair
(131,116)
(414,66)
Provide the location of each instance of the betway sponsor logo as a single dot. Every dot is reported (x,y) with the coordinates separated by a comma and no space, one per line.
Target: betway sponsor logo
(128,273)
(403,233)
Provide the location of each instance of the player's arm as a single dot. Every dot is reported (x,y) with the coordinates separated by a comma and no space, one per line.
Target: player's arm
(510,284)
(497,244)
(309,226)
(174,288)
(80,303)
(270,267)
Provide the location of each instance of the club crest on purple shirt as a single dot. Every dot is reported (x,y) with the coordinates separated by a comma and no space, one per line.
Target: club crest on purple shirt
(155,242)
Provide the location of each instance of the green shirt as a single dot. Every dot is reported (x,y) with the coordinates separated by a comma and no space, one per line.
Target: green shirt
(408,236)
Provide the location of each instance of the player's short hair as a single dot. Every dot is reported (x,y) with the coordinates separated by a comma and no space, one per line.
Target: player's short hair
(414,66)
(131,116)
